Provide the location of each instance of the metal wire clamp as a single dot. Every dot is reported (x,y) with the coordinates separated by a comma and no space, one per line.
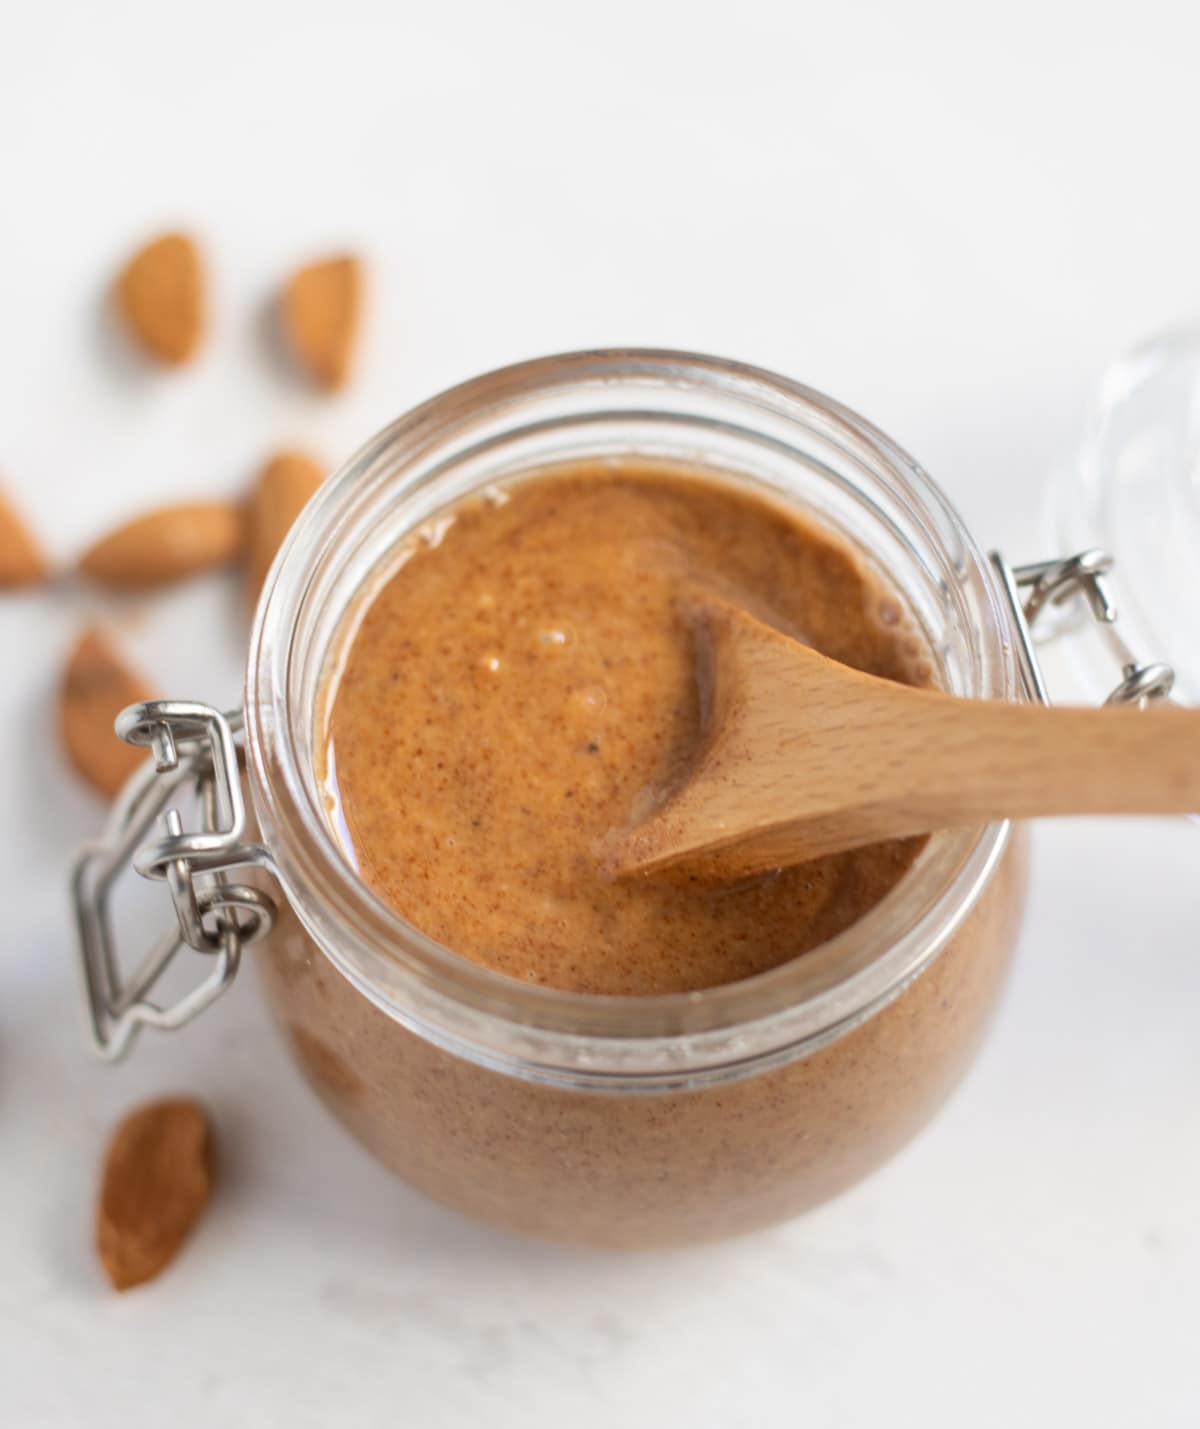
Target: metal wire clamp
(194,748)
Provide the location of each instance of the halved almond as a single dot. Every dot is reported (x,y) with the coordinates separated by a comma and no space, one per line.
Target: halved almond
(158,1176)
(160,294)
(21,562)
(165,545)
(320,312)
(281,491)
(96,687)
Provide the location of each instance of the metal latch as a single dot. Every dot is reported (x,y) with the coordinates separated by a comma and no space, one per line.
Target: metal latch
(195,749)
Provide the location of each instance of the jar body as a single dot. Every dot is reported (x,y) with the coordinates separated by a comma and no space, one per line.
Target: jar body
(627,1121)
(646,1168)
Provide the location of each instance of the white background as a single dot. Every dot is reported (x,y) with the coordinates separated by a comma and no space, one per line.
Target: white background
(950,216)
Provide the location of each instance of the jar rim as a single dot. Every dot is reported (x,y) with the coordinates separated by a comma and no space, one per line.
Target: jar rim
(546,1032)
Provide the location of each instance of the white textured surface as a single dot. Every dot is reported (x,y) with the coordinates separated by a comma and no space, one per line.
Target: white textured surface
(947,218)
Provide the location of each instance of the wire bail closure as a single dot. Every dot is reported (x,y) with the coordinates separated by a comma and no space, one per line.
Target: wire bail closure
(195,750)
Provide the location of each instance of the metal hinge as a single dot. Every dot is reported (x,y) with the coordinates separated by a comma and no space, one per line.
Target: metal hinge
(1054,583)
(195,751)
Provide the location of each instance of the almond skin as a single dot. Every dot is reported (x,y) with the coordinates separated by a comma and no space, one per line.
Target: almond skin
(158,1176)
(160,295)
(96,687)
(21,562)
(320,312)
(165,545)
(279,494)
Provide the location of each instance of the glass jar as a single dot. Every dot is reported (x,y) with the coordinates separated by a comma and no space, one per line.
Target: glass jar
(605,1120)
(619,1120)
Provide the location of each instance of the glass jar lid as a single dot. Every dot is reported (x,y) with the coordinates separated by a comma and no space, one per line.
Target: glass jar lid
(1133,489)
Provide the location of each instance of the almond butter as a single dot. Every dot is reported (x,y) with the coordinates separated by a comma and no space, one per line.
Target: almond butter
(165,545)
(320,314)
(158,1176)
(280,493)
(160,294)
(21,562)
(96,686)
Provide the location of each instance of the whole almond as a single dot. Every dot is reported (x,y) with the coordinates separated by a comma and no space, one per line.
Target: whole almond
(96,687)
(160,294)
(165,545)
(320,313)
(280,493)
(21,562)
(158,1176)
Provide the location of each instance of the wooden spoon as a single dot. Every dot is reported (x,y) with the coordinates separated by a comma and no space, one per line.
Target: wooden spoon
(806,757)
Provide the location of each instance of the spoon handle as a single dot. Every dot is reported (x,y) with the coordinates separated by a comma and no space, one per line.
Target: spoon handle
(977,760)
(807,757)
(948,763)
